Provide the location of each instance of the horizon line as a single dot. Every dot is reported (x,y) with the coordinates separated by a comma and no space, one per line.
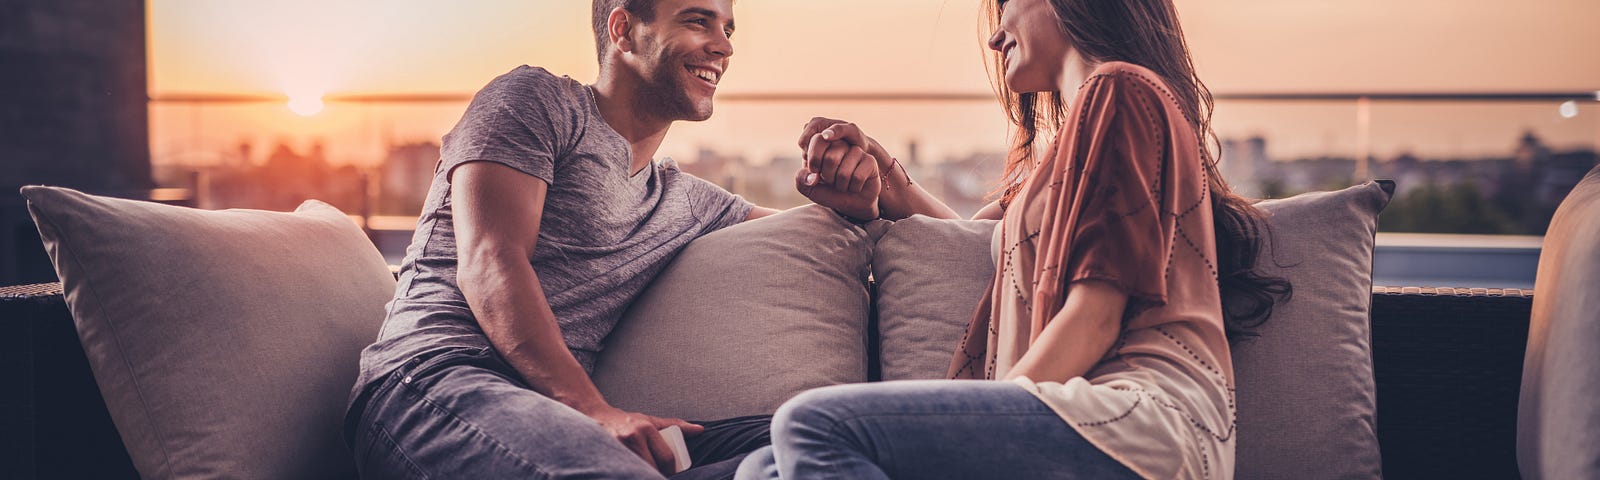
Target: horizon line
(1326,96)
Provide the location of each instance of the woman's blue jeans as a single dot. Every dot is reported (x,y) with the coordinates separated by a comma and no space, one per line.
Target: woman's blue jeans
(926,429)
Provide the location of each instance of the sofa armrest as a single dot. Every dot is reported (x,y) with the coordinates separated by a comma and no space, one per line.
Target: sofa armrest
(1448,366)
(53,424)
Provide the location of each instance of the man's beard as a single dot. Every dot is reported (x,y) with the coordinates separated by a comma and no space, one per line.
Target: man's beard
(665,95)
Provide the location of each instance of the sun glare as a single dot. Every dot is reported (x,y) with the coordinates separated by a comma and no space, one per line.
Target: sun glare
(305,105)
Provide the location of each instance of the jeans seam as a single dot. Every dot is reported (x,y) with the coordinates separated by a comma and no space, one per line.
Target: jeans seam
(381,434)
(478,432)
(837,425)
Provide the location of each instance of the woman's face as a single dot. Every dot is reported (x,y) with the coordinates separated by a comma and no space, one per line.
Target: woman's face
(1033,44)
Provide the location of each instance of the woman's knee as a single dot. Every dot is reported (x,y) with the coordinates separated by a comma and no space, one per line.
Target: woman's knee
(822,414)
(759,465)
(818,407)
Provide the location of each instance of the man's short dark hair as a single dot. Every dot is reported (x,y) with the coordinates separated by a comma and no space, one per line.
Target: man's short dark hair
(645,10)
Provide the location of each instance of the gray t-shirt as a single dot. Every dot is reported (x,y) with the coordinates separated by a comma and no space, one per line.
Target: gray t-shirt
(604,235)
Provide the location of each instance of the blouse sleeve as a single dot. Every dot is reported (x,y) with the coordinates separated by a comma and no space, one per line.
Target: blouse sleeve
(1121,231)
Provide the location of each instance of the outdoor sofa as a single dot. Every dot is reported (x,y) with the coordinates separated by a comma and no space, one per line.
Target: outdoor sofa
(183,343)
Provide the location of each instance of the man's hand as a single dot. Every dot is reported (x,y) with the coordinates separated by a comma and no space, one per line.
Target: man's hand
(834,130)
(638,432)
(840,171)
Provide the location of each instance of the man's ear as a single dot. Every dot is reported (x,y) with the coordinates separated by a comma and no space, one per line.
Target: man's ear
(620,27)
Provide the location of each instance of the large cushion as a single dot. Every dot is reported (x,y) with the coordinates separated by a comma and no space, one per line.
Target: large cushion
(1558,421)
(931,274)
(745,318)
(1306,395)
(1307,400)
(224,342)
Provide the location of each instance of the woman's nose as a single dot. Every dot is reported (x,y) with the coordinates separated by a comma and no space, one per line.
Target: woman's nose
(996,40)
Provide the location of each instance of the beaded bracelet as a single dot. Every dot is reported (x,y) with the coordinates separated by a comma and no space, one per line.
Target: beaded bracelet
(895,162)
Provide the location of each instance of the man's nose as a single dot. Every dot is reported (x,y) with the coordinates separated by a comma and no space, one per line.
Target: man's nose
(722,46)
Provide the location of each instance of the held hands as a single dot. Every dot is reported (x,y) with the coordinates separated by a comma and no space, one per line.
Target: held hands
(638,432)
(841,168)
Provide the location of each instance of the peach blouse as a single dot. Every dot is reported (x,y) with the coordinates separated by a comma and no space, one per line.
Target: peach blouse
(1124,200)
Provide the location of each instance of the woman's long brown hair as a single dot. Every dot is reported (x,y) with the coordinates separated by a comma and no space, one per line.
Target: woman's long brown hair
(1146,33)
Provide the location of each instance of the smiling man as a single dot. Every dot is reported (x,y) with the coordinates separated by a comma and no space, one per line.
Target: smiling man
(546,218)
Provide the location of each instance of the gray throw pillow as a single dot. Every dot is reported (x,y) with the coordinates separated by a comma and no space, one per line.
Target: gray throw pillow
(224,342)
(745,318)
(1307,401)
(931,274)
(1558,419)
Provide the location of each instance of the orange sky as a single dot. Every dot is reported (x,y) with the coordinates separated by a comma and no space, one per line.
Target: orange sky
(1240,45)
(417,46)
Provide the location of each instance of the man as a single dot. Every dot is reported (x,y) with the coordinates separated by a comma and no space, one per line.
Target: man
(546,218)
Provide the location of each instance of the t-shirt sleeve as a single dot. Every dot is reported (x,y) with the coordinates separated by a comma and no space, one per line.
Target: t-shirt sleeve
(525,120)
(1123,231)
(714,206)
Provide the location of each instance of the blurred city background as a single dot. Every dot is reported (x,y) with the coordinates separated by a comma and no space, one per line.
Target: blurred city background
(1484,113)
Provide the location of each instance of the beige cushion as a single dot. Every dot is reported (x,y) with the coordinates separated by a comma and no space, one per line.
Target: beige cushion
(1305,386)
(1558,420)
(1307,401)
(745,318)
(225,342)
(931,273)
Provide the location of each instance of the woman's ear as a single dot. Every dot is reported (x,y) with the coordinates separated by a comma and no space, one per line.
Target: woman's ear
(620,27)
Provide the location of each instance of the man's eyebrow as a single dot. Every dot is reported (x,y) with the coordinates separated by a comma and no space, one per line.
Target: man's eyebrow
(703,12)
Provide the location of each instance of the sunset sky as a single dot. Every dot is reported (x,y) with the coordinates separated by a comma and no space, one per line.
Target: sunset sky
(310,48)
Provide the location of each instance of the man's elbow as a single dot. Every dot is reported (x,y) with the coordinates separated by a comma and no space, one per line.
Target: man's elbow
(479,269)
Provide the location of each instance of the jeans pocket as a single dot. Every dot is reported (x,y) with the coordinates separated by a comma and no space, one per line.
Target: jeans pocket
(428,364)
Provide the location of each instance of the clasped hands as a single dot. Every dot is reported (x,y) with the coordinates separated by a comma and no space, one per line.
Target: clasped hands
(843,168)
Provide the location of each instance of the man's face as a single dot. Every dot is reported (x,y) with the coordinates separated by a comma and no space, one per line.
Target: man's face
(682,55)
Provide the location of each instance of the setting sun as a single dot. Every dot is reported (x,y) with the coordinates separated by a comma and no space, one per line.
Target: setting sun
(305,105)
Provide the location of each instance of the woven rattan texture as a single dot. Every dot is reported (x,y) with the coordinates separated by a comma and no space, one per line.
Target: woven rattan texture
(28,291)
(1448,364)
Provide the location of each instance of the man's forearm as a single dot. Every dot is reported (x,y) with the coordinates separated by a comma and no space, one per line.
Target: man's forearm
(512,310)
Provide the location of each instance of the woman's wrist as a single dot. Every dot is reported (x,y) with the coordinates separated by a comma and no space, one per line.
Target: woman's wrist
(895,177)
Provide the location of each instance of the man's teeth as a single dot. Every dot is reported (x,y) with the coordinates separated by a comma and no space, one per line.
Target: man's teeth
(706,75)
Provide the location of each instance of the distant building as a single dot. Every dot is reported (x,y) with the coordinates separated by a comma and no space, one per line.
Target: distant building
(405,176)
(1516,194)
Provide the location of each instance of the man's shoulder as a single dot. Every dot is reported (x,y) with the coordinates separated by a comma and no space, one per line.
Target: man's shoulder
(532,83)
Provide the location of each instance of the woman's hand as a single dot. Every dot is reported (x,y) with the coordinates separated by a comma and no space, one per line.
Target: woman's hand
(820,133)
(829,150)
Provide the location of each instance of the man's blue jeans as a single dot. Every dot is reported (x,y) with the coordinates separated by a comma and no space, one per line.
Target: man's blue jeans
(928,429)
(464,413)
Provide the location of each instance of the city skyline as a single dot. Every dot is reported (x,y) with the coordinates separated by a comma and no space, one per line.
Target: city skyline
(314,49)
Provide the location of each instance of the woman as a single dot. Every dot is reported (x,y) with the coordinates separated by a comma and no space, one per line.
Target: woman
(1104,323)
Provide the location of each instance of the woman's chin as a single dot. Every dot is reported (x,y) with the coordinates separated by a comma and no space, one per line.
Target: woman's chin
(1020,84)
(1021,88)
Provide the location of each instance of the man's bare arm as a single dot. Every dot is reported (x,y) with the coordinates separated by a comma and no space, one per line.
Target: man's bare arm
(497,212)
